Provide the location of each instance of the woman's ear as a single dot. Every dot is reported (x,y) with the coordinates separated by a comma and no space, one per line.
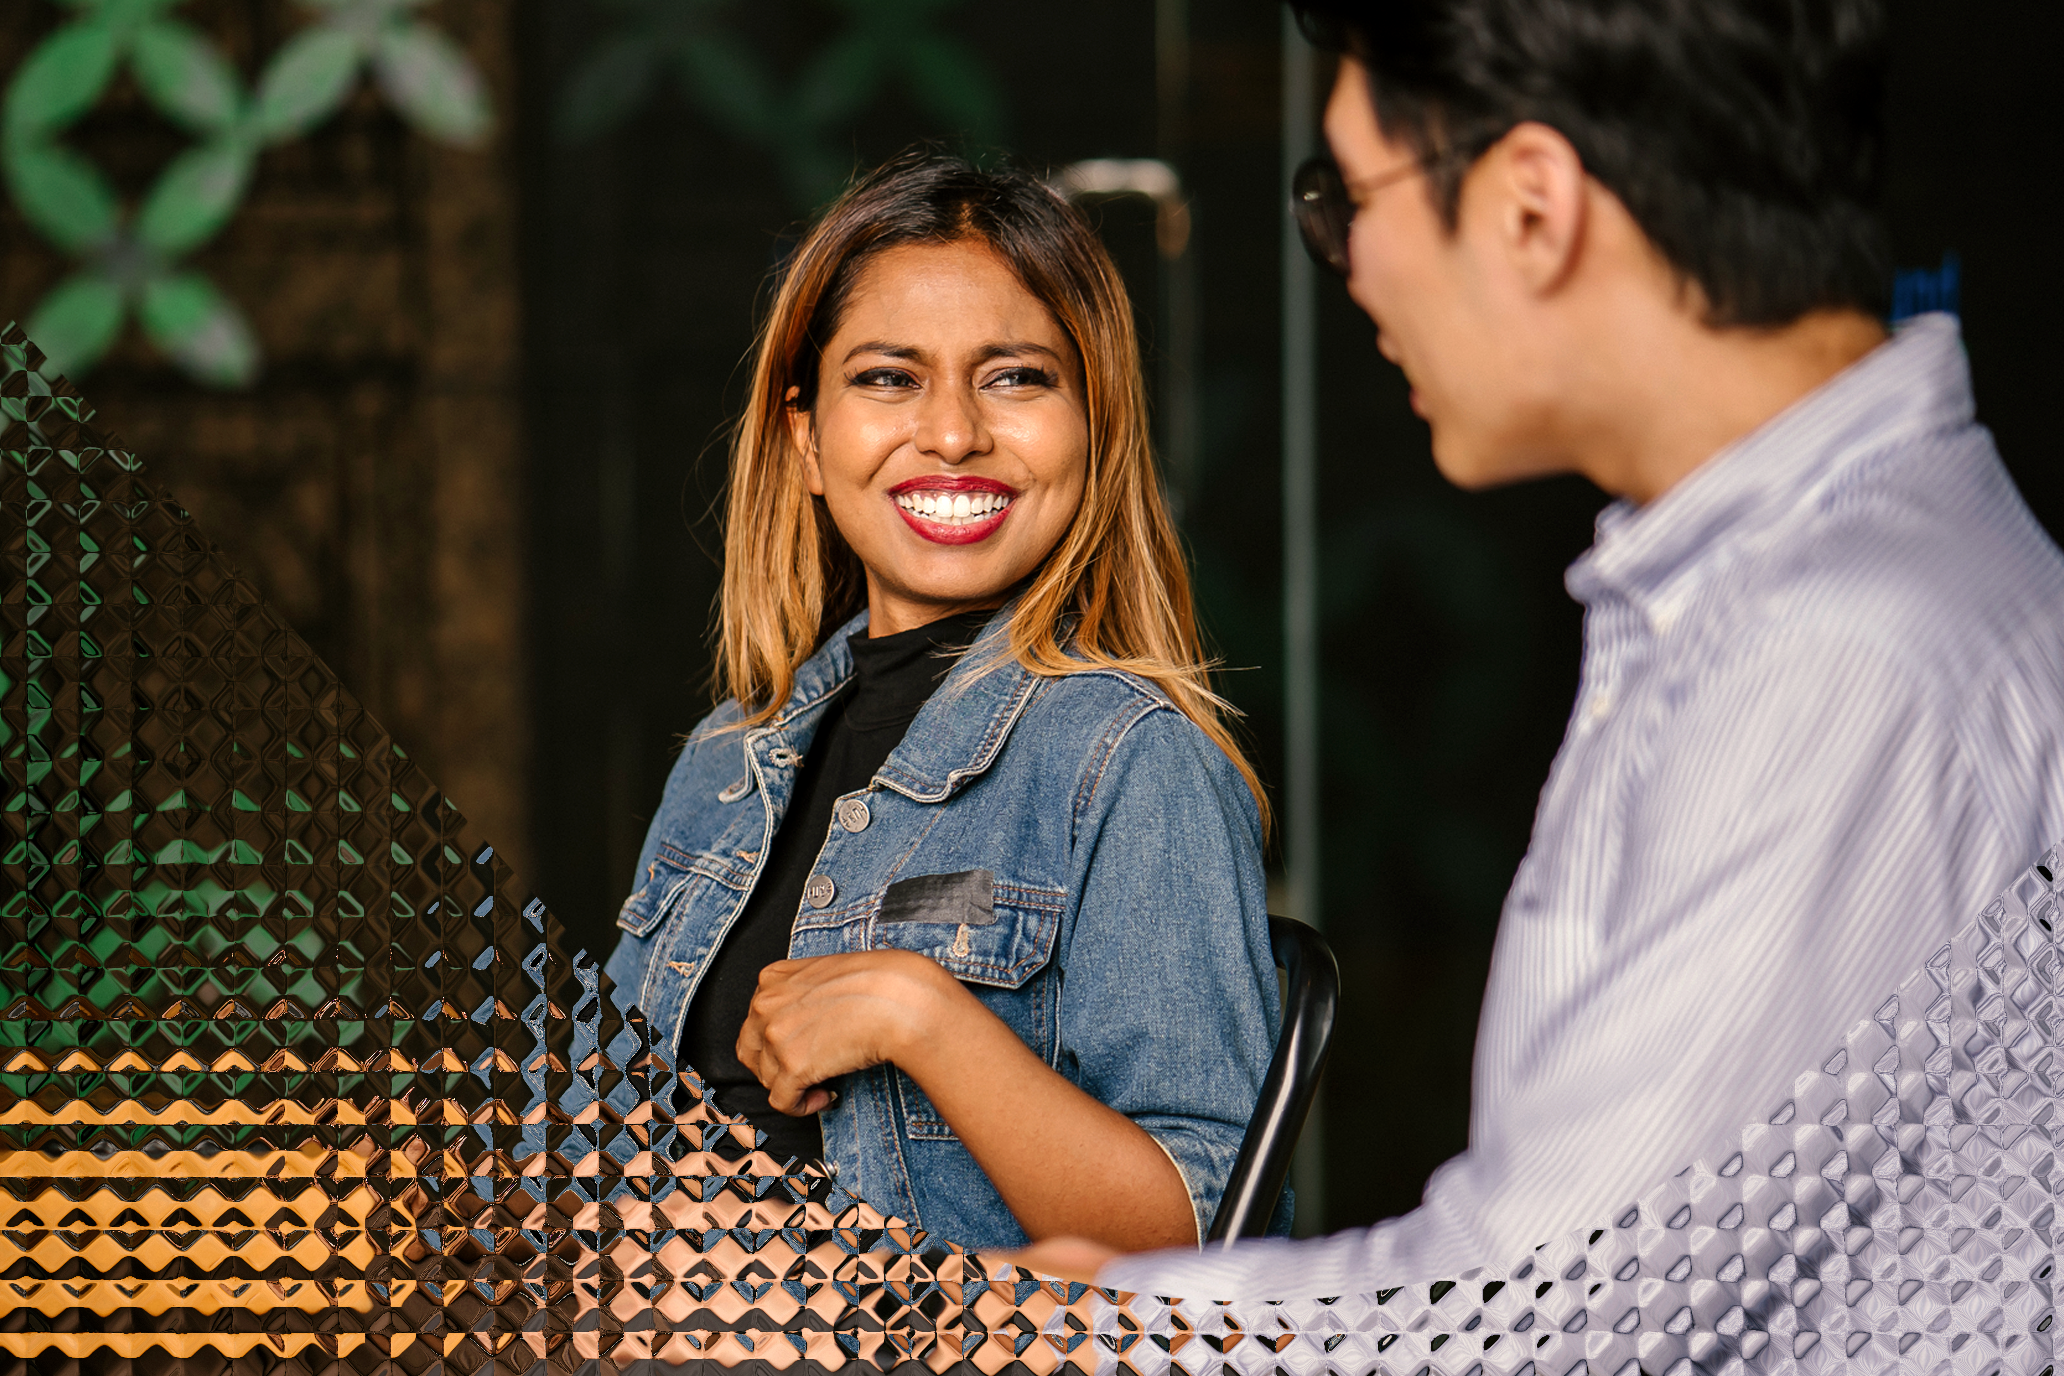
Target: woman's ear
(802,433)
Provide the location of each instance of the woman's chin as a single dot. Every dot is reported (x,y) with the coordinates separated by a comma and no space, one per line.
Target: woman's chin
(947,599)
(914,596)
(950,575)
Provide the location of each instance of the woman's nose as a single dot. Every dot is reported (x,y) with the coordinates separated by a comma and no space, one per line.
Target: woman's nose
(950,426)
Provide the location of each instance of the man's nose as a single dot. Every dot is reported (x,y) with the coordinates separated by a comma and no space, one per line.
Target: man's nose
(950,425)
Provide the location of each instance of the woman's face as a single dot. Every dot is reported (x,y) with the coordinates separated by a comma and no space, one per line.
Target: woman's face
(950,439)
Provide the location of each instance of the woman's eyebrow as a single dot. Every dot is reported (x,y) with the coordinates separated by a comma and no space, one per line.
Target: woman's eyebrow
(1009,348)
(882,346)
(1013,348)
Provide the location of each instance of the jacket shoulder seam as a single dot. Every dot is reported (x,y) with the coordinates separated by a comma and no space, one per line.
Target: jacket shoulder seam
(1115,730)
(1134,685)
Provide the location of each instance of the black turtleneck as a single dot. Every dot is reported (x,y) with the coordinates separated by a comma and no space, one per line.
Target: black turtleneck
(893,676)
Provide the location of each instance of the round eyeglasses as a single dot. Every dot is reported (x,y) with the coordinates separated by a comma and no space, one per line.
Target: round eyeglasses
(1324,204)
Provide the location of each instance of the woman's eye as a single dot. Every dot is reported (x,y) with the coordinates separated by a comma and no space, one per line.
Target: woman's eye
(884,377)
(1023,377)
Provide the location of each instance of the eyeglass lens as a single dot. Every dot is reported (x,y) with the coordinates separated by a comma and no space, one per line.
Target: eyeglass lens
(1318,199)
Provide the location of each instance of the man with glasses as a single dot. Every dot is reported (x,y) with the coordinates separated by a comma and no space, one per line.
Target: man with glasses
(1818,724)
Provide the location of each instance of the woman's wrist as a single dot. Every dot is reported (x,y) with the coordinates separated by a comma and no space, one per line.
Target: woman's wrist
(936,1003)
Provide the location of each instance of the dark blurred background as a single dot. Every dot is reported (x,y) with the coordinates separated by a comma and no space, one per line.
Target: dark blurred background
(479,465)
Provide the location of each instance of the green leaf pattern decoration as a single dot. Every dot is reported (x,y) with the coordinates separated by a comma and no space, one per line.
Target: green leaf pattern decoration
(131,257)
(883,43)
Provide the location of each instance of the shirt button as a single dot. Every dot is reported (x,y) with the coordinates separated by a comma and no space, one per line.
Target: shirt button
(820,891)
(853,814)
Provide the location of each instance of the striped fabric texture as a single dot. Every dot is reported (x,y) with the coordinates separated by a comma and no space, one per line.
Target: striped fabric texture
(1817,729)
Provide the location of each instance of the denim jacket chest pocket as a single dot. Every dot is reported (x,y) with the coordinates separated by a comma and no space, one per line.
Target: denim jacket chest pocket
(994,936)
(677,880)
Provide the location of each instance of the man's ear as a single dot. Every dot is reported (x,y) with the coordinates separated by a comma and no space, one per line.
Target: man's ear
(802,433)
(1542,203)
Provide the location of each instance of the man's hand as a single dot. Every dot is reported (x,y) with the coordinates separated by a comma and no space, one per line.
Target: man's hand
(824,1016)
(1070,1258)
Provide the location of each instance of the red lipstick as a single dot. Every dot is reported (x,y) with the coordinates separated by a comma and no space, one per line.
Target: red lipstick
(988,504)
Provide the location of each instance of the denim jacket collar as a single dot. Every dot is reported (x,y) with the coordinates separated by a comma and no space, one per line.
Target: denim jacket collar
(819,676)
(958,732)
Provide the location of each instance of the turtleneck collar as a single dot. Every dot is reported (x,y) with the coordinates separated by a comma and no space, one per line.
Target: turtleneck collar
(894,675)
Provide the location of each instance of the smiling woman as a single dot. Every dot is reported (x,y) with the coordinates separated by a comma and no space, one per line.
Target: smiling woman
(955,415)
(960,887)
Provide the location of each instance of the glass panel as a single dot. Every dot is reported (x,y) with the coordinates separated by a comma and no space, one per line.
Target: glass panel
(292,1071)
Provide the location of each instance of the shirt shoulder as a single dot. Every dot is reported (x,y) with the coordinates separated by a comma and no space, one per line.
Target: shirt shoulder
(1925,560)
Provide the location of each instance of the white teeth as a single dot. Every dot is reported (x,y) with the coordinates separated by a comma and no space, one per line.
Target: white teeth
(954,508)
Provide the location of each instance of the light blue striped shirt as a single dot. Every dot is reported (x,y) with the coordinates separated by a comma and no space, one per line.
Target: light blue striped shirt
(1820,724)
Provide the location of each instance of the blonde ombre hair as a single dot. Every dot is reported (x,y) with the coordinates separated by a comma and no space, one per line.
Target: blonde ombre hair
(1114,593)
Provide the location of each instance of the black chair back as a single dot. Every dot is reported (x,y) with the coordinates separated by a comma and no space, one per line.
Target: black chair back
(1311,997)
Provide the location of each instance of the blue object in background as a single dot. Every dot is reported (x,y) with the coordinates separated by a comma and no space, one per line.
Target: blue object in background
(1918,290)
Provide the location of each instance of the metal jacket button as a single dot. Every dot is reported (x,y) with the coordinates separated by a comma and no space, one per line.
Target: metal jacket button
(853,814)
(820,891)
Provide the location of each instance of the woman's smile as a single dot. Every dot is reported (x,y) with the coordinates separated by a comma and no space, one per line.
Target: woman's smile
(954,509)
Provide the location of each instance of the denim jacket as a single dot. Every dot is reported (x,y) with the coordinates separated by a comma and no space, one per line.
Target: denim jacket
(1096,881)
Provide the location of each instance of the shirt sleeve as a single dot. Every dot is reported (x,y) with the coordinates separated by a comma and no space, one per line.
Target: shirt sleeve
(1168,1006)
(1795,836)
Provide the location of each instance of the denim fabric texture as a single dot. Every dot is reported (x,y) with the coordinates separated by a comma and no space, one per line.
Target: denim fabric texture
(1125,938)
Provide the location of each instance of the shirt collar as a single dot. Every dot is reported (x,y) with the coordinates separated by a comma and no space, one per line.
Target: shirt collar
(961,727)
(1656,556)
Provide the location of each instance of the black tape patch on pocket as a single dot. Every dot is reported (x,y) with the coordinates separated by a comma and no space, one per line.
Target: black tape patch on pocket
(968,897)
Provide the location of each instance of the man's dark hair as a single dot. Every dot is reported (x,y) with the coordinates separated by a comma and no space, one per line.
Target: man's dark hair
(1744,136)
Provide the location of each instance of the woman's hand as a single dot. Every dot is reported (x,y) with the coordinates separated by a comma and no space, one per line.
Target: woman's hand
(823,1016)
(1066,1165)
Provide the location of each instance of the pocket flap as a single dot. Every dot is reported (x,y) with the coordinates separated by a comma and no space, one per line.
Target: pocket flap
(969,897)
(644,910)
(981,931)
(673,878)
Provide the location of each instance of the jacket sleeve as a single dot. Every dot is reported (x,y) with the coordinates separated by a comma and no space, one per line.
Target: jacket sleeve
(1169,1007)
